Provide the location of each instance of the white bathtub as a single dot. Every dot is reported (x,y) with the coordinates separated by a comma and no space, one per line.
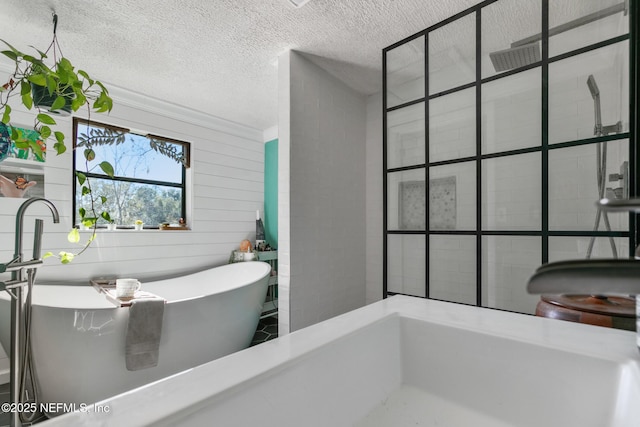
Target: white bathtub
(402,362)
(79,336)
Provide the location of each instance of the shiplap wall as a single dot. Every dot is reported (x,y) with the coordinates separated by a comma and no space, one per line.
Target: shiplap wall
(224,189)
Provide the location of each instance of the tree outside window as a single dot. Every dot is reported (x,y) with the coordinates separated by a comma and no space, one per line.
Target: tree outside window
(148,182)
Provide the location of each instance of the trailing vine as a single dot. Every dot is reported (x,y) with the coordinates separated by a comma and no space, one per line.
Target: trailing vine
(69,89)
(168,149)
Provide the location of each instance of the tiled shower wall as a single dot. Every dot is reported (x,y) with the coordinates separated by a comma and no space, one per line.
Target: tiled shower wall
(374,204)
(321,184)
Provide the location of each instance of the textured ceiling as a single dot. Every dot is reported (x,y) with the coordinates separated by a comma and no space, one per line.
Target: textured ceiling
(220,56)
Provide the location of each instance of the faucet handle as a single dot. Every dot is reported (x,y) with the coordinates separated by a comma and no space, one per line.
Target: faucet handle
(10,266)
(37,238)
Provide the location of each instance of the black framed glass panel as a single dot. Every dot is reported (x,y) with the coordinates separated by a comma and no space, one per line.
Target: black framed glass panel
(452,126)
(405,73)
(405,136)
(527,123)
(507,28)
(578,24)
(451,55)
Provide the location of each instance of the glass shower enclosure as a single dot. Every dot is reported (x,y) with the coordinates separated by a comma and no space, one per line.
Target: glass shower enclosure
(503,125)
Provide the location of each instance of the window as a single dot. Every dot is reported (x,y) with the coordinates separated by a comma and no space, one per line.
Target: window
(148,182)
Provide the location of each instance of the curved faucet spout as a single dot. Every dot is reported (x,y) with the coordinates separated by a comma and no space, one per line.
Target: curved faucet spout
(592,276)
(20,221)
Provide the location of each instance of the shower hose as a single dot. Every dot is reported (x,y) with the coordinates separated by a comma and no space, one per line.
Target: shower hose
(28,374)
(601,160)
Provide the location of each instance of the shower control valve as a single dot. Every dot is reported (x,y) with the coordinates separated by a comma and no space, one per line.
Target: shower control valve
(615,193)
(613,177)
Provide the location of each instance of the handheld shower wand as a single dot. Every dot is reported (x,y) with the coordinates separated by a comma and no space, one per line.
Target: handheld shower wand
(595,94)
(601,161)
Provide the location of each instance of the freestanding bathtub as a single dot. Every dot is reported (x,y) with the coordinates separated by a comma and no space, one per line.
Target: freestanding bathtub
(78,336)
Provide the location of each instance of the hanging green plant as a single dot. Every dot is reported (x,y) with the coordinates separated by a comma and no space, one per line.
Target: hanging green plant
(55,90)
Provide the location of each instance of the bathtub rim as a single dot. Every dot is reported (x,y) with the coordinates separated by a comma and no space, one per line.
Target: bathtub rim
(186,390)
(107,305)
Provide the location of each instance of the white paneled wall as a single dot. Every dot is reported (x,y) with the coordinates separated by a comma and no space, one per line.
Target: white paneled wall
(322,223)
(224,188)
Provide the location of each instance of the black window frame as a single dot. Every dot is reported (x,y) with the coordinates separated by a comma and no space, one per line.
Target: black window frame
(183,185)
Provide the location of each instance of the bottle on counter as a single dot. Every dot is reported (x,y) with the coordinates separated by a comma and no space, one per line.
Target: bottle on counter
(260,239)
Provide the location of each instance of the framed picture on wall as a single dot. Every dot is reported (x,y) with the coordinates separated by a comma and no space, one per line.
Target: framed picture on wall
(17,142)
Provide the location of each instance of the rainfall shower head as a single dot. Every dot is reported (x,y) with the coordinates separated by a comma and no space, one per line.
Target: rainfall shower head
(515,57)
(527,51)
(593,87)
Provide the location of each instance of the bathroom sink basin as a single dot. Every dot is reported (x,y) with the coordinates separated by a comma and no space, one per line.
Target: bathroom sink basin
(404,362)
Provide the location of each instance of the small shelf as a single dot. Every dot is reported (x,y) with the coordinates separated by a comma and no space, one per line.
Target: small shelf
(270,306)
(108,288)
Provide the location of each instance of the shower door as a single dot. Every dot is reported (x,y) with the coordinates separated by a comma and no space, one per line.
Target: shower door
(503,125)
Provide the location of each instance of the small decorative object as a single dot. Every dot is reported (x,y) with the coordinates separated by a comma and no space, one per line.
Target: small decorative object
(169,226)
(259,233)
(245,246)
(111,225)
(21,185)
(126,288)
(138,224)
(182,222)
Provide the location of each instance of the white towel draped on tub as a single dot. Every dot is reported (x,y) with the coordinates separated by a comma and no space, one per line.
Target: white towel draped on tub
(143,333)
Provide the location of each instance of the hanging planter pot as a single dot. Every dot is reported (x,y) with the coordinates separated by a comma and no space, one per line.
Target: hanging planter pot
(42,99)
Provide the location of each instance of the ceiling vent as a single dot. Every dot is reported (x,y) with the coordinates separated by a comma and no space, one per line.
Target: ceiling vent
(298,3)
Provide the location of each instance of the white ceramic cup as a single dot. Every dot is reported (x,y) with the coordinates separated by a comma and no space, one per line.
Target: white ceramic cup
(126,288)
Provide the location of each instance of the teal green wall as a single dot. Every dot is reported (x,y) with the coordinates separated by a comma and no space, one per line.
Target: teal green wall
(271,192)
